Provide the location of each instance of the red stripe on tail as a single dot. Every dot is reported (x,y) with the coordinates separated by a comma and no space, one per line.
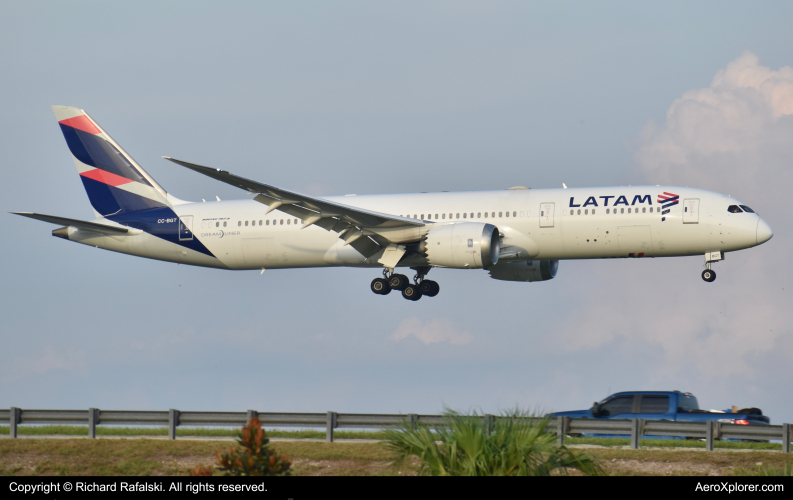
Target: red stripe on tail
(106,177)
(83,123)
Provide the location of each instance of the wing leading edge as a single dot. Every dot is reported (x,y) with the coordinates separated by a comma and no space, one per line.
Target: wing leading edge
(365,230)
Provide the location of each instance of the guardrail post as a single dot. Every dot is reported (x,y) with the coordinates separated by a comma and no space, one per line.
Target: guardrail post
(786,438)
(489,421)
(252,414)
(414,420)
(93,419)
(13,421)
(636,432)
(331,422)
(709,428)
(562,425)
(173,423)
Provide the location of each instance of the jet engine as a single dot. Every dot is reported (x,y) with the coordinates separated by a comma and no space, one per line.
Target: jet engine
(464,245)
(532,270)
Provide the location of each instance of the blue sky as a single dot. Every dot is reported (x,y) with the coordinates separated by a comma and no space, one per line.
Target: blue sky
(361,97)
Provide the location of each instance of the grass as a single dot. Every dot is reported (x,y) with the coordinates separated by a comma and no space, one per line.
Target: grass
(155,457)
(146,457)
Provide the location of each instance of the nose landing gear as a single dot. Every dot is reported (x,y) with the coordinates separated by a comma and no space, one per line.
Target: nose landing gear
(709,274)
(411,291)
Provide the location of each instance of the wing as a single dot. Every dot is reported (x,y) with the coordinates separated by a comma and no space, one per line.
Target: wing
(80,224)
(365,230)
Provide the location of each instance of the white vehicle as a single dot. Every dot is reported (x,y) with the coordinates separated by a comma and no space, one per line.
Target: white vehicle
(517,234)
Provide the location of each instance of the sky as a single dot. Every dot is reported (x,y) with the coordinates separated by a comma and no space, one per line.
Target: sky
(375,97)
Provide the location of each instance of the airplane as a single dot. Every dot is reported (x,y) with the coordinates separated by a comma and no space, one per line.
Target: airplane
(516,234)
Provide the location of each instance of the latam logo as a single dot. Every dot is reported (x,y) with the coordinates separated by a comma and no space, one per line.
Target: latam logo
(667,201)
(621,200)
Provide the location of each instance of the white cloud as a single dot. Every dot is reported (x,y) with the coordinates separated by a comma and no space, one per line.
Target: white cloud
(72,360)
(734,137)
(437,330)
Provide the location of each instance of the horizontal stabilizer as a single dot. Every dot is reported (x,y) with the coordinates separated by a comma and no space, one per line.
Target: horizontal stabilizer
(79,224)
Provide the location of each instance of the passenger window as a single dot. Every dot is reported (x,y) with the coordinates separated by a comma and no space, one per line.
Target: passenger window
(654,404)
(224,223)
(246,223)
(507,214)
(472,215)
(282,222)
(239,222)
(629,210)
(485,215)
(579,211)
(514,214)
(465,215)
(607,211)
(479,215)
(644,210)
(444,216)
(734,209)
(422,216)
(617,406)
(593,211)
(260,223)
(622,210)
(458,215)
(288,221)
(499,214)
(493,214)
(747,209)
(217,224)
(450,216)
(268,222)
(586,211)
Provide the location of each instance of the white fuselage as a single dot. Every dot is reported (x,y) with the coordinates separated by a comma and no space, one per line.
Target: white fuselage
(580,223)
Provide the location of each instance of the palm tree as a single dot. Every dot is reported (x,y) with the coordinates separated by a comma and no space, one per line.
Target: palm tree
(514,444)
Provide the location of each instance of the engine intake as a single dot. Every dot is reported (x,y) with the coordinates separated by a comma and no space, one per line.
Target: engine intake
(463,245)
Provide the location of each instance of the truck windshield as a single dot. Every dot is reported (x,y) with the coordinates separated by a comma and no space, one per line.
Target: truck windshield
(687,403)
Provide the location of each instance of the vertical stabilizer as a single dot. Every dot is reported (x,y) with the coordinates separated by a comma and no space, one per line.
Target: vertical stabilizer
(115,184)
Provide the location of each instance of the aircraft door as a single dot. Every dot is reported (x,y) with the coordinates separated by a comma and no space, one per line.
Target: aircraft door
(546,214)
(185,228)
(691,211)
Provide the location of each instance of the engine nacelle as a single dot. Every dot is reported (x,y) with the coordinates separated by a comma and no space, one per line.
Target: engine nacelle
(532,270)
(464,245)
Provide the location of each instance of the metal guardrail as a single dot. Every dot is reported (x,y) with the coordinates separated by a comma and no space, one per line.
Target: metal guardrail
(563,426)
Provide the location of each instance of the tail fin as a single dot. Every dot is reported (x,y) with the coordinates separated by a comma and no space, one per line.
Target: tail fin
(113,181)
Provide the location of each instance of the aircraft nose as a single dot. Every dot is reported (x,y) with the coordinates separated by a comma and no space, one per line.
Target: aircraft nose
(764,232)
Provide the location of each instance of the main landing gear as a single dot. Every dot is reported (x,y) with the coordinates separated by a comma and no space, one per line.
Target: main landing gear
(411,291)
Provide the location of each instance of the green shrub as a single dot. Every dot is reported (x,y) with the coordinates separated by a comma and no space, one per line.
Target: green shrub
(515,444)
(255,458)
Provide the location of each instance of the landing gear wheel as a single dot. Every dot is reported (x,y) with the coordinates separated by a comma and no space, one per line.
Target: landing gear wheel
(429,288)
(398,281)
(411,292)
(709,275)
(380,286)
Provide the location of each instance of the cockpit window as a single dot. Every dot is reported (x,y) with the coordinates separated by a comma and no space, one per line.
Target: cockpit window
(747,209)
(734,209)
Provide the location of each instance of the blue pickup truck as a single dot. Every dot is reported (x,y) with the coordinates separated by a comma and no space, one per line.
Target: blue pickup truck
(664,405)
